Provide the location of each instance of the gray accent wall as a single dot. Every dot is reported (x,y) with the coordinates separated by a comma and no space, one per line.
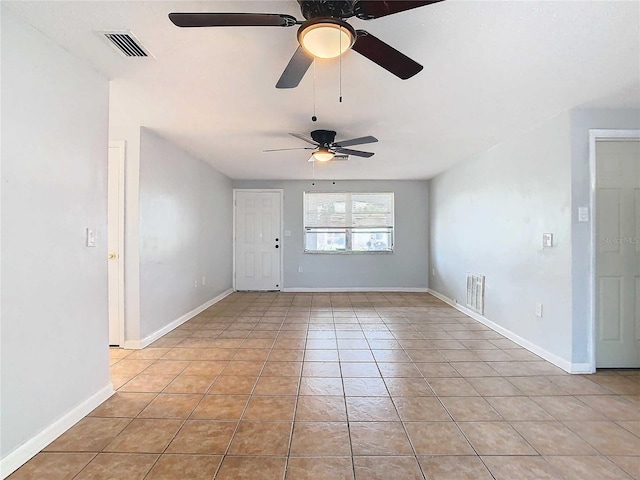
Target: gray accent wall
(406,268)
(185,233)
(582,120)
(54,288)
(488,216)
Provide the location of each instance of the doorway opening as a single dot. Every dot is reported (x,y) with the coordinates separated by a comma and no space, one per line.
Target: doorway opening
(115,241)
(615,248)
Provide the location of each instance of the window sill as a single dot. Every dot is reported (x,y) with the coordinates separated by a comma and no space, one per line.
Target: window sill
(344,252)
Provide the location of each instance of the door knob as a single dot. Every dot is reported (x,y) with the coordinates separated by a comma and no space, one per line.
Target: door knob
(111,256)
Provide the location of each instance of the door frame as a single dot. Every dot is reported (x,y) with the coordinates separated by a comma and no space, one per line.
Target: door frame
(597,135)
(121,145)
(280,191)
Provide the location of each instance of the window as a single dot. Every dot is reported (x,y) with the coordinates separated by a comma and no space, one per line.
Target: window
(348,222)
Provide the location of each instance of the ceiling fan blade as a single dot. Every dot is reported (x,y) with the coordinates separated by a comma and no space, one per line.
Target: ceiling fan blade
(356,141)
(385,55)
(367,10)
(202,19)
(357,153)
(305,138)
(295,69)
(285,149)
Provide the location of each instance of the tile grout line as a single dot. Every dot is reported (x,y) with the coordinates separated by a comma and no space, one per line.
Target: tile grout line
(187,417)
(404,428)
(344,398)
(295,408)
(235,431)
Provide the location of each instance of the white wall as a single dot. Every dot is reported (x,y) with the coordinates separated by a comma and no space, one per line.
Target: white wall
(186,219)
(54,288)
(488,216)
(405,268)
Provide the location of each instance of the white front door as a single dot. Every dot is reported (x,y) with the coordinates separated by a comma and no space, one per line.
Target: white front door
(258,239)
(618,253)
(115,240)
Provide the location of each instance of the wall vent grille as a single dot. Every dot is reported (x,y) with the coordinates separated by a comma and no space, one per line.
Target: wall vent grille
(475,292)
(126,44)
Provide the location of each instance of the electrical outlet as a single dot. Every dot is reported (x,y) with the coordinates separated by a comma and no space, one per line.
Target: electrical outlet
(539,310)
(300,269)
(204,280)
(547,239)
(195,284)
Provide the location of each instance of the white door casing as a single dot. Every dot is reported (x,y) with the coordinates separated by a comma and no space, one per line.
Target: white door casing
(258,239)
(115,241)
(617,250)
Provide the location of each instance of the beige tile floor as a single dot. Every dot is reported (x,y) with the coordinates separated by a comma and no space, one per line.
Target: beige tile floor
(347,386)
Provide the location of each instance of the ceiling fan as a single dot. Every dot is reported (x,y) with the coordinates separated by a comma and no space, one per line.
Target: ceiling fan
(324,33)
(326,148)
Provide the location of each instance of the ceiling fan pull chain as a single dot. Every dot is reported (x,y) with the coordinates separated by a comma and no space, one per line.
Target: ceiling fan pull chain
(314,117)
(340,73)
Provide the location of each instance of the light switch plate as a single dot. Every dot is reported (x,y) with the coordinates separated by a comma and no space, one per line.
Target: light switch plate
(91,237)
(547,239)
(583,214)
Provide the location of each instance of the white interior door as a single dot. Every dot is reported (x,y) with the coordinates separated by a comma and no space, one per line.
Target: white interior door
(115,241)
(257,239)
(618,253)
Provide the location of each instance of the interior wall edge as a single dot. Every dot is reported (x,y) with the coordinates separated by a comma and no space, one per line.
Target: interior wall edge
(34,445)
(149,339)
(558,361)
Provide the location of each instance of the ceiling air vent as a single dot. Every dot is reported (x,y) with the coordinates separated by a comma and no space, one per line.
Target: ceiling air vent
(126,44)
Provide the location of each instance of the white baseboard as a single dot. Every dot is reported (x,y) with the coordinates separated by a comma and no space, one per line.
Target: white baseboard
(355,289)
(440,296)
(139,344)
(566,365)
(28,450)
(582,368)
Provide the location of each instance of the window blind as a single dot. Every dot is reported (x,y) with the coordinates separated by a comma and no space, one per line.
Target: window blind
(348,210)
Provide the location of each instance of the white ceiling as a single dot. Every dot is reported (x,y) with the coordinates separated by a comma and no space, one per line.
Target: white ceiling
(492,69)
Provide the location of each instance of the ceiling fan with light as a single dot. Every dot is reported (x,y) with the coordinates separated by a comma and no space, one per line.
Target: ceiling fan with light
(324,33)
(326,148)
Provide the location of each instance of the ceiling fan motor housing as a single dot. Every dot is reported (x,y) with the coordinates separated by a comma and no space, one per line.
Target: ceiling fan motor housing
(324,137)
(327,8)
